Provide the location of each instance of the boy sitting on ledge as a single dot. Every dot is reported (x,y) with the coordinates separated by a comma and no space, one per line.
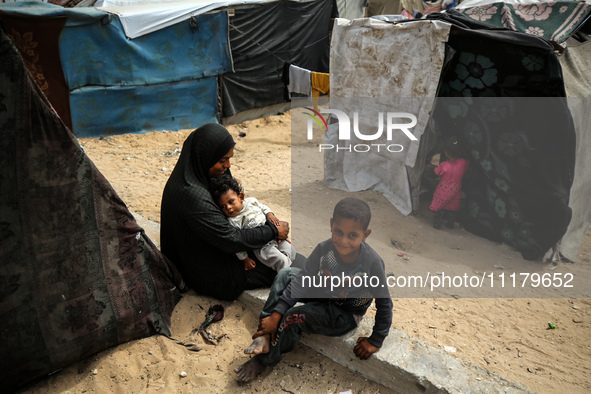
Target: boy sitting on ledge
(341,269)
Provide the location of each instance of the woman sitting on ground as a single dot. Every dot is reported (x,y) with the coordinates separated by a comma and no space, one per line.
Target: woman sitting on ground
(196,236)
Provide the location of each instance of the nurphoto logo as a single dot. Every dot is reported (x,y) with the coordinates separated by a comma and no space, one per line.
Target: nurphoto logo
(393,124)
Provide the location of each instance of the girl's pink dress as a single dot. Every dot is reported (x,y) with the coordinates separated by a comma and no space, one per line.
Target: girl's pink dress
(448,192)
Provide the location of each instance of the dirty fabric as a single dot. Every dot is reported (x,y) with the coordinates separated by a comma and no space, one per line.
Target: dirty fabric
(575,63)
(379,67)
(77,274)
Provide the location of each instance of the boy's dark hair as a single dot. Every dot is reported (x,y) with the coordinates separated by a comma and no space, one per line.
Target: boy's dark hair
(221,185)
(353,208)
(452,147)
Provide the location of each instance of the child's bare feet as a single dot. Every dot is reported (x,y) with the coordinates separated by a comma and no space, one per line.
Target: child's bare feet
(249,370)
(259,345)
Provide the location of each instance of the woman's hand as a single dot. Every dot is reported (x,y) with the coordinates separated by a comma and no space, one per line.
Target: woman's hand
(282,230)
(272,218)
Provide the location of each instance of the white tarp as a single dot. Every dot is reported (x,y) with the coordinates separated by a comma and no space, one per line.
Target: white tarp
(577,78)
(143,17)
(382,67)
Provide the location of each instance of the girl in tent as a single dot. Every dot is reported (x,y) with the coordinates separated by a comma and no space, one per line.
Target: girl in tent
(446,199)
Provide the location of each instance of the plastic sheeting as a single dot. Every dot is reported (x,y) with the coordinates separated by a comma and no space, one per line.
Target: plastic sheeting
(372,63)
(136,109)
(164,81)
(265,36)
(100,55)
(139,17)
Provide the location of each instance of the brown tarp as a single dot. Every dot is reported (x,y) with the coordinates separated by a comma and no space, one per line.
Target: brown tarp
(77,274)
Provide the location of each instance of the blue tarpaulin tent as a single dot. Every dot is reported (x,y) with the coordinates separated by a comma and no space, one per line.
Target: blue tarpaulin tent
(135,68)
(166,80)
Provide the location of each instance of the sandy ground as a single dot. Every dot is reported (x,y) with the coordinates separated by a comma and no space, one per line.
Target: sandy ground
(505,333)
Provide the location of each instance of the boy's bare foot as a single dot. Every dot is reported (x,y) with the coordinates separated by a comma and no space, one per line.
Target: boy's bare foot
(259,345)
(249,370)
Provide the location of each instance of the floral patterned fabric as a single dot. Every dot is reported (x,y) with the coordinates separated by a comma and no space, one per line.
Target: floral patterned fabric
(502,94)
(551,20)
(77,274)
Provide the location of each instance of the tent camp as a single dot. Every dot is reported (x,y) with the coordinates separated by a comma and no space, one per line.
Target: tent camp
(175,65)
(78,273)
(165,66)
(450,71)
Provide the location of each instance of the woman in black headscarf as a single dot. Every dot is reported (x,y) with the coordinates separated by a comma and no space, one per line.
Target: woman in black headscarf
(195,235)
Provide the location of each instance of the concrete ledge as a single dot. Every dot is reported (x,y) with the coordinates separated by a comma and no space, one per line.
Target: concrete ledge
(404,364)
(152,229)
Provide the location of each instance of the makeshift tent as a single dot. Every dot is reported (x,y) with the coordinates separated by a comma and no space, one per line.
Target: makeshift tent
(77,274)
(522,168)
(167,81)
(181,68)
(263,36)
(556,21)
(263,39)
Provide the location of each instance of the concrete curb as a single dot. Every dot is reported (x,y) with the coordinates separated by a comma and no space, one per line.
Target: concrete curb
(403,364)
(152,229)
